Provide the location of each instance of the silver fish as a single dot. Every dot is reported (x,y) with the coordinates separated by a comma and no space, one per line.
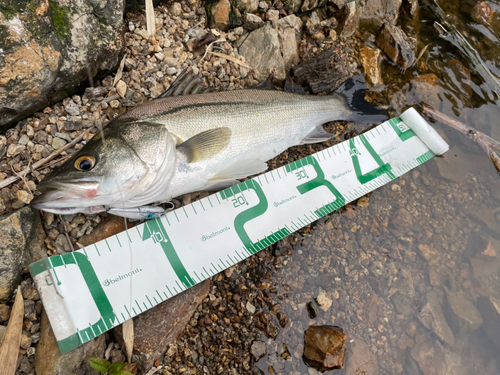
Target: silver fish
(177,145)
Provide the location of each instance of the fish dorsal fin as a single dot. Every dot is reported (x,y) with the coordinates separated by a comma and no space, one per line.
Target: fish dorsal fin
(264,85)
(206,144)
(187,83)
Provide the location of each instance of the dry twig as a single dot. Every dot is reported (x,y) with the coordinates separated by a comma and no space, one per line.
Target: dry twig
(9,350)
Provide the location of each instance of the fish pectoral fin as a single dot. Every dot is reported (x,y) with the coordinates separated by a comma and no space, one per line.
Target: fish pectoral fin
(317,135)
(214,185)
(206,144)
(241,170)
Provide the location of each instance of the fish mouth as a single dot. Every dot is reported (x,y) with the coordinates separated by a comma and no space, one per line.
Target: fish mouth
(65,198)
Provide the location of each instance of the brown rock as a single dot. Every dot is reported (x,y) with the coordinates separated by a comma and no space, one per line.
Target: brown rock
(402,220)
(4,313)
(218,15)
(21,243)
(361,360)
(351,22)
(371,59)
(399,47)
(50,361)
(159,327)
(109,227)
(324,347)
(482,13)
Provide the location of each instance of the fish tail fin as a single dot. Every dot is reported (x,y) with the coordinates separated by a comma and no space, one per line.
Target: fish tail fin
(353,92)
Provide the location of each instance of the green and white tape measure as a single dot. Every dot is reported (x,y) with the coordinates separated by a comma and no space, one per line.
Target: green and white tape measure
(194,242)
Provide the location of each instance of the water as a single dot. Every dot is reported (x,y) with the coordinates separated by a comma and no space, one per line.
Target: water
(410,274)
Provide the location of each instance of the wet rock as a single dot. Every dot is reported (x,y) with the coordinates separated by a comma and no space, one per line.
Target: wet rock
(246,6)
(258,349)
(371,59)
(157,328)
(430,357)
(360,360)
(484,266)
(432,317)
(454,165)
(48,49)
(324,347)
(262,52)
(489,308)
(399,47)
(426,89)
(351,22)
(21,243)
(468,316)
(323,300)
(402,220)
(50,361)
(403,304)
(381,11)
(482,13)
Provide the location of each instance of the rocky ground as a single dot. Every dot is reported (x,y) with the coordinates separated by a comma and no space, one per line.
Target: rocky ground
(410,272)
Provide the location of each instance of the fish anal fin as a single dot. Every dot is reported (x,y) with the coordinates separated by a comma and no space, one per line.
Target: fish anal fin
(206,144)
(240,170)
(317,135)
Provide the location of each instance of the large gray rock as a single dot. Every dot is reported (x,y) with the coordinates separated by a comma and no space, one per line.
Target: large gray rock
(50,361)
(21,243)
(159,327)
(289,35)
(262,52)
(50,47)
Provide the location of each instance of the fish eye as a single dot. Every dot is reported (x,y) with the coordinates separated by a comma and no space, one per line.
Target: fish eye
(85,163)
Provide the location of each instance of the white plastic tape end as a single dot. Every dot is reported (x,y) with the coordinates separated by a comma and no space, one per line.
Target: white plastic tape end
(424,131)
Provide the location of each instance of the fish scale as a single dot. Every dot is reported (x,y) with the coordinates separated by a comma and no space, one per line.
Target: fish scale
(101,287)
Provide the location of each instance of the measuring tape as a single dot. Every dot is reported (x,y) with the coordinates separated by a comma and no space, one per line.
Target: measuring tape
(104,284)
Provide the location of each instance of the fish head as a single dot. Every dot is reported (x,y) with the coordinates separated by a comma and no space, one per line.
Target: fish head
(115,166)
